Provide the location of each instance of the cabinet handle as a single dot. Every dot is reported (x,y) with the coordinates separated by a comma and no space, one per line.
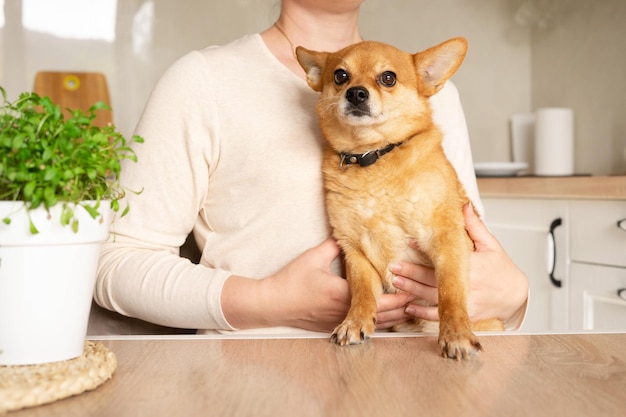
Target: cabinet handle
(621,293)
(552,252)
(622,224)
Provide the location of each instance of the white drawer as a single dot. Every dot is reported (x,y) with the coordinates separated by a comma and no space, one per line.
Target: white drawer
(595,235)
(597,304)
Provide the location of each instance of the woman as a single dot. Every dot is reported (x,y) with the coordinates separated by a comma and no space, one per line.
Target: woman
(232,151)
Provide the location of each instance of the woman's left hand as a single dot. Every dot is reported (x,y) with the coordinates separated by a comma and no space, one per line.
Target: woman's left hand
(498,288)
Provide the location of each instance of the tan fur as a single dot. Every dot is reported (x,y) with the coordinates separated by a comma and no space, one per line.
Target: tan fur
(412,192)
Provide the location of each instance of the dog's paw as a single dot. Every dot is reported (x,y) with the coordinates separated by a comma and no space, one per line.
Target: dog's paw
(458,344)
(352,332)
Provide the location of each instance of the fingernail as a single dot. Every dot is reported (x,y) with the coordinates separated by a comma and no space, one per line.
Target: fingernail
(395,268)
(410,310)
(397,281)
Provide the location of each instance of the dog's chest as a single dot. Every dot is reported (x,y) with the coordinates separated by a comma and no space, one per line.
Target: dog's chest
(382,202)
(365,205)
(381,221)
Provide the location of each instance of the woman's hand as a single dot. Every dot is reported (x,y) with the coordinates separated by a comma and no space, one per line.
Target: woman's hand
(304,294)
(312,296)
(497,286)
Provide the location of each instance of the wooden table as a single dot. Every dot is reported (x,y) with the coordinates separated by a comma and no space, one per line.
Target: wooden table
(515,375)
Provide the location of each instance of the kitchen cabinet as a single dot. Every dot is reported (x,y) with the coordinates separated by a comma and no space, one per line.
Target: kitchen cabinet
(574,254)
(534,234)
(595,303)
(598,265)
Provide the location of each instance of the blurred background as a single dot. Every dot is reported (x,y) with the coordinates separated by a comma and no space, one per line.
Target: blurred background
(524,54)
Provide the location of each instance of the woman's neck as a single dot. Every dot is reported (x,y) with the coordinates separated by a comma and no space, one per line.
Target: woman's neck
(318,30)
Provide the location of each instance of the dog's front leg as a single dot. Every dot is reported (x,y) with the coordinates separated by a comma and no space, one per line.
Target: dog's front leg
(451,262)
(365,288)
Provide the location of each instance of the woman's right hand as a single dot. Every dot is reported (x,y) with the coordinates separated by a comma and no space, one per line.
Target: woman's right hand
(305,294)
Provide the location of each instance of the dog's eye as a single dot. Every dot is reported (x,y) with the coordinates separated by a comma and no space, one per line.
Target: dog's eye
(341,76)
(387,78)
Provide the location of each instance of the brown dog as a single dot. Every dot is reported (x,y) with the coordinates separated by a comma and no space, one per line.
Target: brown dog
(388,180)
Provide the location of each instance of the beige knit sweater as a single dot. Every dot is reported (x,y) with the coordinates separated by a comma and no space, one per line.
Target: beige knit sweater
(232,151)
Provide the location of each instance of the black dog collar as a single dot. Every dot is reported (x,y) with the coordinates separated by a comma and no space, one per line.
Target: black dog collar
(366,159)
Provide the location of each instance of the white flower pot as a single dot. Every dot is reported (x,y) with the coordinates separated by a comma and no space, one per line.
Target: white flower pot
(46,283)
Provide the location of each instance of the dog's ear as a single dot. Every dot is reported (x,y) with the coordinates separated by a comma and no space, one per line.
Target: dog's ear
(437,64)
(313,64)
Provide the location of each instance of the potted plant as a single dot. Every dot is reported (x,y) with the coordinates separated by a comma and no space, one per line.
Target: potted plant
(59,190)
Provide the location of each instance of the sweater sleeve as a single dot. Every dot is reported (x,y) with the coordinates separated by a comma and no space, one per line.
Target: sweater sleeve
(140,273)
(449,115)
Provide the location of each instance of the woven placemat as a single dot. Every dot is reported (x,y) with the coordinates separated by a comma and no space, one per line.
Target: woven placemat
(31,385)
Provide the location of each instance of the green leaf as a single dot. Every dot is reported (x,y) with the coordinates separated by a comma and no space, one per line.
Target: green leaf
(93,212)
(101,105)
(29,189)
(125,212)
(48,105)
(50,174)
(49,196)
(18,141)
(66,215)
(47,154)
(31,226)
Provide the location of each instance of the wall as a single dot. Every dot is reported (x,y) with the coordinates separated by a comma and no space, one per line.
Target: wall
(495,80)
(578,61)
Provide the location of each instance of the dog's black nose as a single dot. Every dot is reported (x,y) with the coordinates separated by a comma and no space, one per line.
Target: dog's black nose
(357,95)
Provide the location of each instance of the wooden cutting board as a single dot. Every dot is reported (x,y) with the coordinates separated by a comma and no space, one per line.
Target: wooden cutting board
(75,90)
